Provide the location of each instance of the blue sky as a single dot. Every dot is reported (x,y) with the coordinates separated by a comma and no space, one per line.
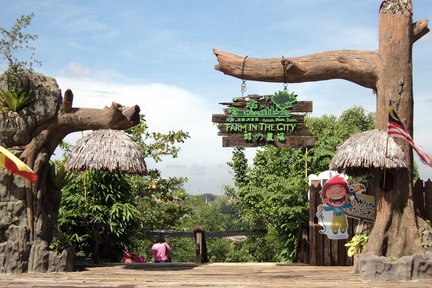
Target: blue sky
(158,54)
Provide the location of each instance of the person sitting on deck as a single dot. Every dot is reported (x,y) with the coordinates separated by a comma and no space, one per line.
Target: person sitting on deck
(161,250)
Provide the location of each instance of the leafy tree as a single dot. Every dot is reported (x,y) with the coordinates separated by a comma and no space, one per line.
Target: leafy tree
(274,197)
(96,203)
(206,214)
(156,144)
(162,201)
(331,131)
(273,193)
(12,42)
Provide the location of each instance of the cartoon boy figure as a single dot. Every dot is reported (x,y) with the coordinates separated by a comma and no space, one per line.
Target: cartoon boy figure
(335,197)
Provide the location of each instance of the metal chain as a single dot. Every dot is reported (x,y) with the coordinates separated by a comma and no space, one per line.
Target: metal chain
(284,72)
(243,87)
(243,84)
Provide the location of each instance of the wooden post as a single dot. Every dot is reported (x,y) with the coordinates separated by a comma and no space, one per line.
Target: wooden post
(106,243)
(200,246)
(96,243)
(302,250)
(418,194)
(334,253)
(313,202)
(428,199)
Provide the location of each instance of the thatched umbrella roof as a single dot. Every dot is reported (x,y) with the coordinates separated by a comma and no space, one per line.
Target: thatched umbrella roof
(108,150)
(367,150)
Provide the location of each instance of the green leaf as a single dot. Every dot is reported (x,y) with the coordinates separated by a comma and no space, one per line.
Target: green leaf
(15,101)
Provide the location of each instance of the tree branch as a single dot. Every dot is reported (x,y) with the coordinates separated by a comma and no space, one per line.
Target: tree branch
(356,66)
(67,101)
(420,28)
(79,119)
(70,120)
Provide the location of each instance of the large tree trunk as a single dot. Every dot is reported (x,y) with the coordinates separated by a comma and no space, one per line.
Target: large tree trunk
(394,232)
(33,134)
(389,74)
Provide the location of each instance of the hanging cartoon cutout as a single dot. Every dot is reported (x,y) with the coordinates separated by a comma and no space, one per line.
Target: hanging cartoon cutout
(336,197)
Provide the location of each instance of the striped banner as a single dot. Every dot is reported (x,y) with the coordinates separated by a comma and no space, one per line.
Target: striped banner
(395,128)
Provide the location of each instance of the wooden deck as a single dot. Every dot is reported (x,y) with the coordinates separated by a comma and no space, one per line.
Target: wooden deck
(207,275)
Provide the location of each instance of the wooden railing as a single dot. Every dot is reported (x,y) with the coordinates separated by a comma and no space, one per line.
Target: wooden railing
(422,194)
(200,238)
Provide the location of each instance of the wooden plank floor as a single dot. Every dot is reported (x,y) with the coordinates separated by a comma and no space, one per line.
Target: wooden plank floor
(209,275)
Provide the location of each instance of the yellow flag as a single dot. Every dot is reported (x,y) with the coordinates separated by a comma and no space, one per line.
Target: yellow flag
(16,166)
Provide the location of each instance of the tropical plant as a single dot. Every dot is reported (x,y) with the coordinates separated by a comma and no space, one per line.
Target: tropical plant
(357,243)
(14,101)
(97,203)
(426,234)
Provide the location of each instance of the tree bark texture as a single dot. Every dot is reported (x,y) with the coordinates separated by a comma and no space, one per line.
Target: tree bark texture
(356,66)
(389,73)
(395,232)
(33,135)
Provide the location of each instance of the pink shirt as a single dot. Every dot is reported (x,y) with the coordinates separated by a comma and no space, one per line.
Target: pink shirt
(160,251)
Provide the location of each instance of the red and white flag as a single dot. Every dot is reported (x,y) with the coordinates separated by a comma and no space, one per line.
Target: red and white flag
(395,128)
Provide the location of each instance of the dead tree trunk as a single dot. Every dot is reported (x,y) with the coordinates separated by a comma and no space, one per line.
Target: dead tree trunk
(33,134)
(388,72)
(395,232)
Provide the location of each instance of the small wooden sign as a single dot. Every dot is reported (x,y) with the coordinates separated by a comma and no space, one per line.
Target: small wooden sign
(365,208)
(257,120)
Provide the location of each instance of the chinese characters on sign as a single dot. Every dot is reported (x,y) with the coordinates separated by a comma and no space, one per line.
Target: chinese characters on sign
(256,120)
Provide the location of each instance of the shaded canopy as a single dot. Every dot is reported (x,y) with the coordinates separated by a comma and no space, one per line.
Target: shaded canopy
(367,150)
(107,150)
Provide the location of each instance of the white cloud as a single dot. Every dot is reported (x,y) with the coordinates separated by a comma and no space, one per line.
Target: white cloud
(77,70)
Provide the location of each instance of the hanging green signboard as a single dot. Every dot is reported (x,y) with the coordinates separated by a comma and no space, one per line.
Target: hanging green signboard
(256,120)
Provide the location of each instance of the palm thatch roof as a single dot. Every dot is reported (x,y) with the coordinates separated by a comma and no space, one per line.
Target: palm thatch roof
(107,150)
(367,150)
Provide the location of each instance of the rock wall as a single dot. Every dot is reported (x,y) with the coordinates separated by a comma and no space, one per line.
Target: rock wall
(17,128)
(418,266)
(19,251)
